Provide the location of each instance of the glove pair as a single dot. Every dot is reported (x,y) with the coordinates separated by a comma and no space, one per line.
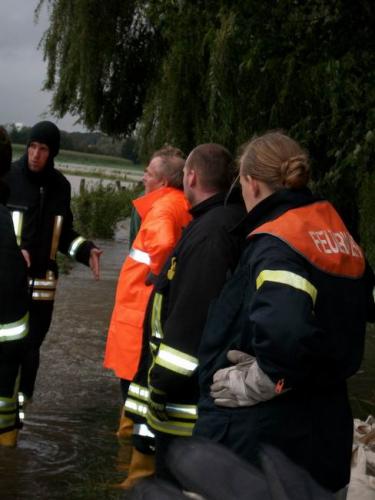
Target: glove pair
(244,384)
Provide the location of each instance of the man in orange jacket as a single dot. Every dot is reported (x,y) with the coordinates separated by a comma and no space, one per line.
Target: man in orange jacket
(164,211)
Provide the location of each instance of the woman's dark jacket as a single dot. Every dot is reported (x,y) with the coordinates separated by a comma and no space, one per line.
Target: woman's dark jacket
(308,332)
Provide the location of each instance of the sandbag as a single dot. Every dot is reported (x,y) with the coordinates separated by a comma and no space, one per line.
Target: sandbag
(362,479)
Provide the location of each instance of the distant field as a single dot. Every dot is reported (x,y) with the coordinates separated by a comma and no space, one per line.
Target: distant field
(86,159)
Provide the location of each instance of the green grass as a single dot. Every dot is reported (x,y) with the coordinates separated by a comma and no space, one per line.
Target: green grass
(89,159)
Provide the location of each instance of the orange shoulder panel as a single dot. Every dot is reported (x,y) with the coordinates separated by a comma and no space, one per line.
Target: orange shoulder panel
(318,233)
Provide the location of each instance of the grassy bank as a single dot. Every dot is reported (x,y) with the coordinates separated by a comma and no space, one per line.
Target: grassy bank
(86,159)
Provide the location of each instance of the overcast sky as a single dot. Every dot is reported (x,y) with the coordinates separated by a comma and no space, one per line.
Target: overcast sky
(22,69)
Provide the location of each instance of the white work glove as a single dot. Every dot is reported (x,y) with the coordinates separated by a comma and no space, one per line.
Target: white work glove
(244,384)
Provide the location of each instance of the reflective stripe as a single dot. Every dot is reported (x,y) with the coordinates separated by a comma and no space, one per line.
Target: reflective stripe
(139,256)
(43,295)
(8,404)
(17,218)
(171,426)
(176,361)
(16,330)
(156,329)
(57,228)
(182,411)
(136,407)
(38,283)
(139,391)
(143,430)
(75,244)
(7,420)
(287,278)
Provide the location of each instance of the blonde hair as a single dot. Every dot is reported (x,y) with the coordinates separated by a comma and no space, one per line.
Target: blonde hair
(277,160)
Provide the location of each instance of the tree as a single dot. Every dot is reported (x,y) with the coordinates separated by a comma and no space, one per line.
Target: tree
(101,57)
(189,72)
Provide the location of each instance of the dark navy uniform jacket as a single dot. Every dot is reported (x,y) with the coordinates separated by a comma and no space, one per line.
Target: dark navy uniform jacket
(305,322)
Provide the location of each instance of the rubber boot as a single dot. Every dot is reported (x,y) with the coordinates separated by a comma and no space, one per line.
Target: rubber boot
(141,466)
(125,428)
(124,434)
(9,439)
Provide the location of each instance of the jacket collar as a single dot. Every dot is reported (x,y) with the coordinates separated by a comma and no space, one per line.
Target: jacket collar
(273,206)
(144,203)
(206,205)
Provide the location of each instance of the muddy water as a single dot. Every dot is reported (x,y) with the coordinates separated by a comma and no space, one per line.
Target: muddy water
(67,448)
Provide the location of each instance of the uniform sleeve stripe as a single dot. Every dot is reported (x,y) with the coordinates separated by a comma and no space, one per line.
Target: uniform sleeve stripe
(176,361)
(75,245)
(287,278)
(140,256)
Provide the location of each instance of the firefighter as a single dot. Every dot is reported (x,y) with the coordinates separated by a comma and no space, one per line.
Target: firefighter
(13,309)
(193,275)
(40,204)
(164,212)
(288,328)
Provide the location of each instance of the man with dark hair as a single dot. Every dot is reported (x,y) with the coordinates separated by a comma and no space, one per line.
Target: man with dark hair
(40,204)
(193,275)
(13,308)
(164,211)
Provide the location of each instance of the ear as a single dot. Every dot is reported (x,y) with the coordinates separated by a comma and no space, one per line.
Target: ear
(192,178)
(254,186)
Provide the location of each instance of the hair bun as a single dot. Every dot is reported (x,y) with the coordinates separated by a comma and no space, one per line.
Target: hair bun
(295,172)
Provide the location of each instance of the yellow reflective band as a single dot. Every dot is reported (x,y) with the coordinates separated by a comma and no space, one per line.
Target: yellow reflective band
(135,407)
(156,329)
(143,430)
(171,426)
(43,295)
(14,331)
(8,404)
(153,347)
(75,244)
(176,361)
(182,411)
(48,284)
(287,278)
(140,256)
(139,392)
(17,218)
(7,420)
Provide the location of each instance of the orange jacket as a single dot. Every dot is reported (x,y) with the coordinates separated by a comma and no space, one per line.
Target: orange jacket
(164,213)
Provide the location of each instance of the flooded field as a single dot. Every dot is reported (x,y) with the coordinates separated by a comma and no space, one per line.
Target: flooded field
(92,182)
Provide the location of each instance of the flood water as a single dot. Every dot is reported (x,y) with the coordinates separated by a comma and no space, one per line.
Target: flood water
(92,182)
(67,447)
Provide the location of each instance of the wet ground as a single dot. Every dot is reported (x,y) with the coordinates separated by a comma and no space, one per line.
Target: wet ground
(68,447)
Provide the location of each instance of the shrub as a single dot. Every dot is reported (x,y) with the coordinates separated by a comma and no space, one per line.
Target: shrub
(97,210)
